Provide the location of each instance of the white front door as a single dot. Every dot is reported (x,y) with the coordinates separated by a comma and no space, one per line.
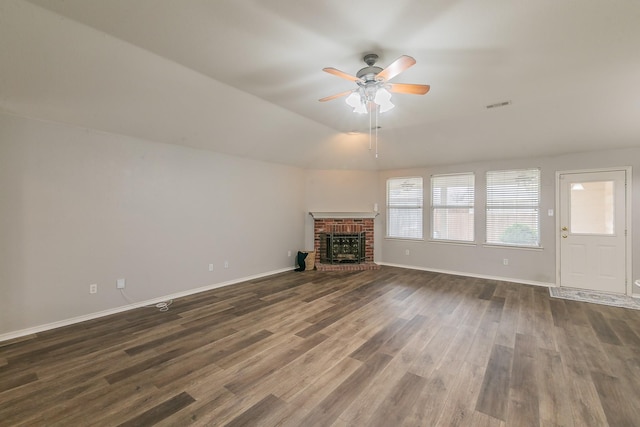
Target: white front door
(593,230)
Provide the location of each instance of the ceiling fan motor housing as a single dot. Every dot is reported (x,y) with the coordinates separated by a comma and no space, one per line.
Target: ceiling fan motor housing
(369,73)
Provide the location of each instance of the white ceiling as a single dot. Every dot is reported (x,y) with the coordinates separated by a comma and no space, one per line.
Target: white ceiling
(244,77)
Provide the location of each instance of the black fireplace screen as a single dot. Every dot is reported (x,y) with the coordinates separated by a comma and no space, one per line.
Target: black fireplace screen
(343,244)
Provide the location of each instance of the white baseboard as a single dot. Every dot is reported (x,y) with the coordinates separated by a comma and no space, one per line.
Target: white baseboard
(478,276)
(91,316)
(96,315)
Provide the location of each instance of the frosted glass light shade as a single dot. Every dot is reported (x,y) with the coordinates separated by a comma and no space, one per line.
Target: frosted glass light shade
(386,107)
(361,108)
(353,100)
(382,96)
(383,99)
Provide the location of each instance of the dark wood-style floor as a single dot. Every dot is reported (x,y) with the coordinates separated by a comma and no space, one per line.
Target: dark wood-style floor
(390,347)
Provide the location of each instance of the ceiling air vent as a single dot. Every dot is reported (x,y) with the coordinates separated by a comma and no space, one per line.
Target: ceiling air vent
(499,104)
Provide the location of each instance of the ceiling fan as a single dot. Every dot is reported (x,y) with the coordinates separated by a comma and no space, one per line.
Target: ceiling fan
(374,89)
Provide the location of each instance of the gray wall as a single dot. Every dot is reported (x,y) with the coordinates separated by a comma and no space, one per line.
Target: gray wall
(79,207)
(525,265)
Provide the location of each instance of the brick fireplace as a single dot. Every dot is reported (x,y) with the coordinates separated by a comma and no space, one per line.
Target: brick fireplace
(350,233)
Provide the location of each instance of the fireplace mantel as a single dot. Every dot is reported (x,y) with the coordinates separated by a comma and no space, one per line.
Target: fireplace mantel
(343,215)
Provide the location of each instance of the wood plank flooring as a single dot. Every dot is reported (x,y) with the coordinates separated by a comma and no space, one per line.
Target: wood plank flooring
(391,347)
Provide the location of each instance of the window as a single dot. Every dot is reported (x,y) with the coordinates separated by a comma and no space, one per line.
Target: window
(513,205)
(404,208)
(452,198)
(591,208)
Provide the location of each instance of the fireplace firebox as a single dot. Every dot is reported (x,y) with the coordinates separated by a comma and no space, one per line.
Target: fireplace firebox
(343,244)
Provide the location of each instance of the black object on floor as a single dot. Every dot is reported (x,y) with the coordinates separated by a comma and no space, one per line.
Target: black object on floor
(301,264)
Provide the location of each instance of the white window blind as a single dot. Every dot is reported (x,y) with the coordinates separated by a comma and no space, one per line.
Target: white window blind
(513,205)
(452,201)
(404,207)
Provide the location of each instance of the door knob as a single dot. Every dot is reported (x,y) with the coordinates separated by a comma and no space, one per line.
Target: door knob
(564,228)
(564,236)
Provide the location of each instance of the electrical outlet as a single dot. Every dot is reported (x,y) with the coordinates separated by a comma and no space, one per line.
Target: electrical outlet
(406,252)
(93,289)
(120,283)
(210,267)
(288,253)
(226,264)
(505,261)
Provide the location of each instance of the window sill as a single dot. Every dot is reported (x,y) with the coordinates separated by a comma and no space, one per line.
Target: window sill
(526,248)
(453,242)
(410,239)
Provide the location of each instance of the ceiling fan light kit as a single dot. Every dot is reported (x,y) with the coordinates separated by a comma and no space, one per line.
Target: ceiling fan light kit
(373,94)
(361,99)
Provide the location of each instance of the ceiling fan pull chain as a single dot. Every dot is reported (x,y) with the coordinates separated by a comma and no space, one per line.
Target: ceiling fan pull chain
(370,113)
(377,109)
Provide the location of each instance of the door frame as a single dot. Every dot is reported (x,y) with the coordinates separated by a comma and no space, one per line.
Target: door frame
(628,221)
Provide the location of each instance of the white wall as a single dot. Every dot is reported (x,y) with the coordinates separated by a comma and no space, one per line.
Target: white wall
(79,207)
(525,265)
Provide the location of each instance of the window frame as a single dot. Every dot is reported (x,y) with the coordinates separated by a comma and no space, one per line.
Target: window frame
(515,207)
(418,207)
(435,206)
